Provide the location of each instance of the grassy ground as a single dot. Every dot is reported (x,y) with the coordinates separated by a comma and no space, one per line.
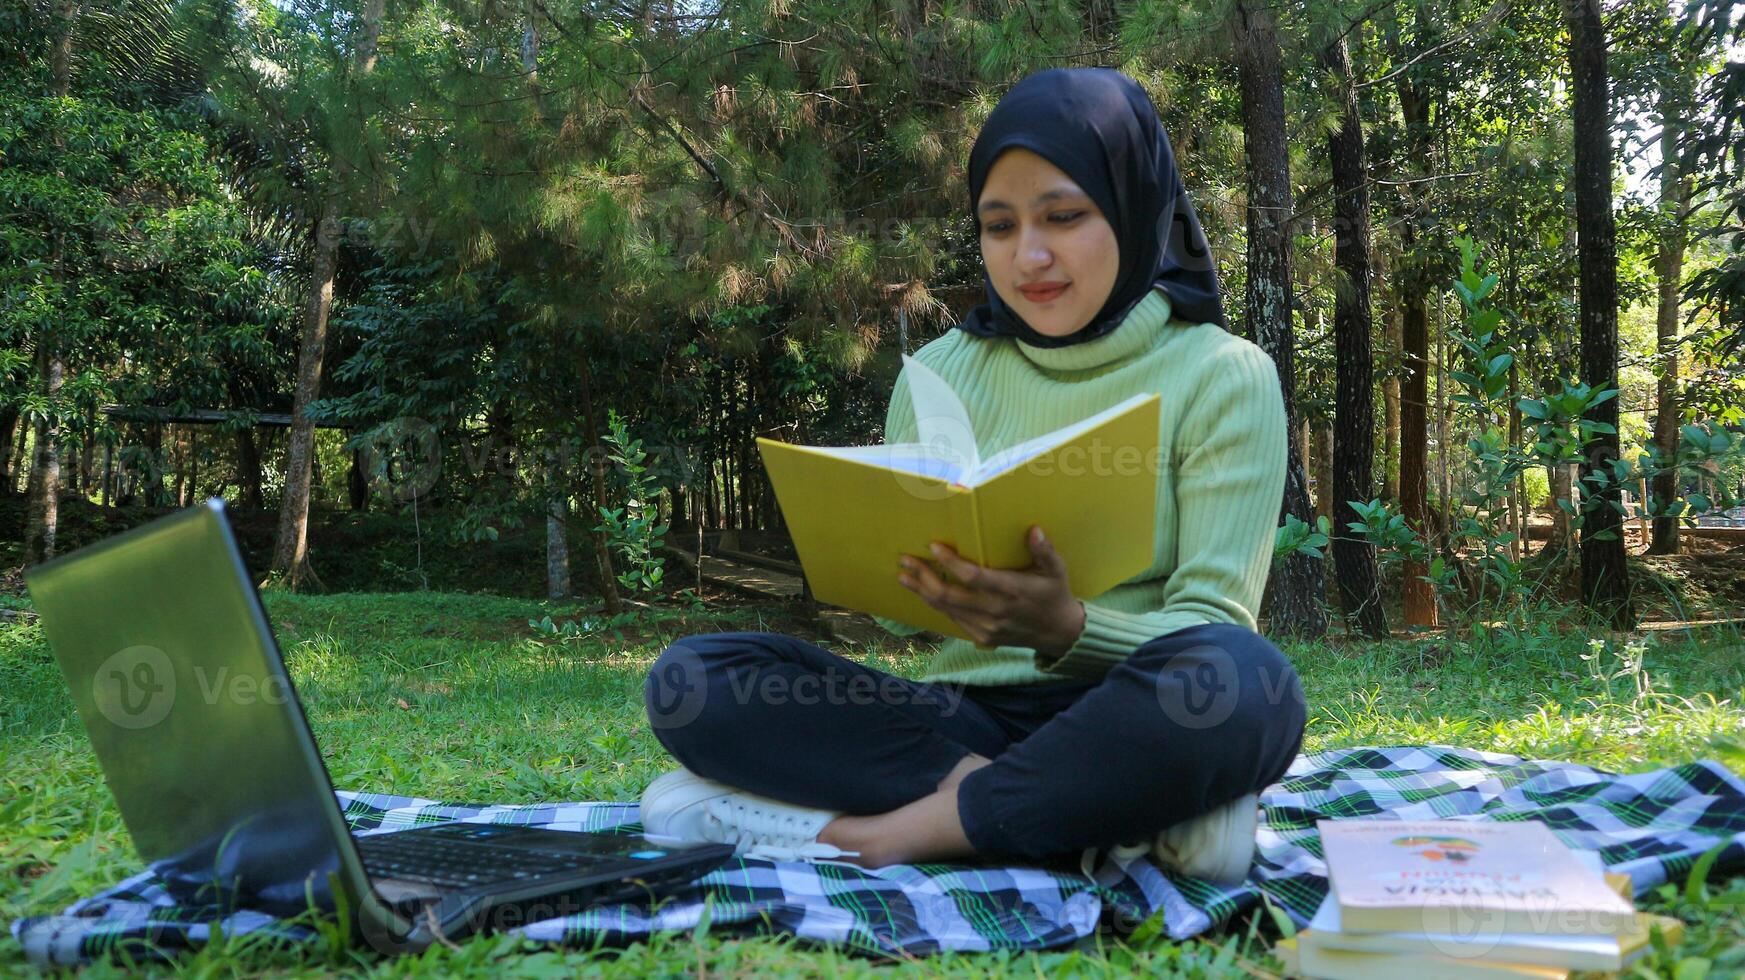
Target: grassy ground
(453,696)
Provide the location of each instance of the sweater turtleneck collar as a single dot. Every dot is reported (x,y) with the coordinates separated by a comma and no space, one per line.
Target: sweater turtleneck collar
(1138,333)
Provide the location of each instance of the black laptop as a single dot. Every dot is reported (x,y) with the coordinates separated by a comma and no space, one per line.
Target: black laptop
(166,648)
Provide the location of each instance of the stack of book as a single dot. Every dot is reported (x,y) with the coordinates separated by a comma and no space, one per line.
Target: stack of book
(1453,899)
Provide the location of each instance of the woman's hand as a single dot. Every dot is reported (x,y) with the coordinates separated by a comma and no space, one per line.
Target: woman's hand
(1026,607)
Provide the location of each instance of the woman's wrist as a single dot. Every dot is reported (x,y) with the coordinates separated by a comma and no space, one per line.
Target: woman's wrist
(1071,627)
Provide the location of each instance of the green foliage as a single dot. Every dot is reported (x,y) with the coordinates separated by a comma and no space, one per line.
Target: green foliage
(1715,149)
(1498,587)
(1295,537)
(1382,526)
(715,220)
(123,249)
(1703,448)
(631,527)
(576,630)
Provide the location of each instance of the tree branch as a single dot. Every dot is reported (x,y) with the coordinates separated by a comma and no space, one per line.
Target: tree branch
(1489,20)
(781,226)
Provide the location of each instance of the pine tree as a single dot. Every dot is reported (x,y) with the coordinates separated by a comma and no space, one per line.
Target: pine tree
(1297,586)
(1605,581)
(1354,387)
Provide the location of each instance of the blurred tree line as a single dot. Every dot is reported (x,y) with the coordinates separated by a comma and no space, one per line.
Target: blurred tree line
(434,254)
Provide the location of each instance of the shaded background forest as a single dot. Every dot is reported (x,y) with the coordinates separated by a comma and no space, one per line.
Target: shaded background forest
(504,292)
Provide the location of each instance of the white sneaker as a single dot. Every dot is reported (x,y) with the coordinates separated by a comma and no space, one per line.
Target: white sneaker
(1216,846)
(682,808)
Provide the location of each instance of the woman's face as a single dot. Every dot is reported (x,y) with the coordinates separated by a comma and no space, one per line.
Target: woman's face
(1049,251)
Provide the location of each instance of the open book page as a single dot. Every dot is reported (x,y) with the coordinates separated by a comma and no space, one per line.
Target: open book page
(940,418)
(1014,456)
(903,457)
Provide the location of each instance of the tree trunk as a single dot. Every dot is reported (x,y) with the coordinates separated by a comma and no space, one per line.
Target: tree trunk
(1305,442)
(597,473)
(1354,385)
(290,550)
(530,42)
(1605,582)
(729,461)
(20,461)
(1321,464)
(1517,499)
(155,495)
(9,427)
(1558,477)
(248,469)
(711,508)
(357,486)
(1444,477)
(1390,398)
(70,485)
(557,549)
(682,509)
(1418,598)
(87,452)
(1299,582)
(742,467)
(42,510)
(1669,266)
(178,436)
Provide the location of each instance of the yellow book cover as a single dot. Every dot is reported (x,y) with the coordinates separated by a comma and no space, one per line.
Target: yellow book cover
(1092,486)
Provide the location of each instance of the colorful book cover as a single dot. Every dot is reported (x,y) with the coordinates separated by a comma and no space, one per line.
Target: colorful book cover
(1466,878)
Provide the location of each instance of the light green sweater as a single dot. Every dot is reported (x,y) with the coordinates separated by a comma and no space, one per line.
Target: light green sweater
(1218,492)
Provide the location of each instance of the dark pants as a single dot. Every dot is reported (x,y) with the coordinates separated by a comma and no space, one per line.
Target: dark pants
(1188,722)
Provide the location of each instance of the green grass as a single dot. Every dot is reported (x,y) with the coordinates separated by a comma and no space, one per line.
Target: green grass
(452,696)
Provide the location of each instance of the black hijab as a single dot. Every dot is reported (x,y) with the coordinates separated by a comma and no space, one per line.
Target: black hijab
(1100,128)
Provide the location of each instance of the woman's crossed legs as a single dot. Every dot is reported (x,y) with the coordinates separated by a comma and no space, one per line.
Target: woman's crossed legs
(922,771)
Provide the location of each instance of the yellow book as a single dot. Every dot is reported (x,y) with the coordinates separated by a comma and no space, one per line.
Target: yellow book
(1302,958)
(1622,884)
(853,510)
(1607,952)
(1466,877)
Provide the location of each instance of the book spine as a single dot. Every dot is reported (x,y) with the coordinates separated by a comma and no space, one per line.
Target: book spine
(966,526)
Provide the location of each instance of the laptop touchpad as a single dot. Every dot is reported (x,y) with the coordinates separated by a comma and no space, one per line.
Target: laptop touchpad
(398,891)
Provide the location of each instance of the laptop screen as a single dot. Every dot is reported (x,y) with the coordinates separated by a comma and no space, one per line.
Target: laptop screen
(174,670)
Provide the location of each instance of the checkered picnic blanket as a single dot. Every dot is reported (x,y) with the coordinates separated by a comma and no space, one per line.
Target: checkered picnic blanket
(1650,825)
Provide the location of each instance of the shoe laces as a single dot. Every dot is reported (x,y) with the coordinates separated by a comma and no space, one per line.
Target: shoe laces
(777,833)
(1123,853)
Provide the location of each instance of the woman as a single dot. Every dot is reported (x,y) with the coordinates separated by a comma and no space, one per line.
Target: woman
(1147,717)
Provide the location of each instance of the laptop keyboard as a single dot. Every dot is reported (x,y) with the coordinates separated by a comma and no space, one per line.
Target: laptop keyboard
(455,864)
